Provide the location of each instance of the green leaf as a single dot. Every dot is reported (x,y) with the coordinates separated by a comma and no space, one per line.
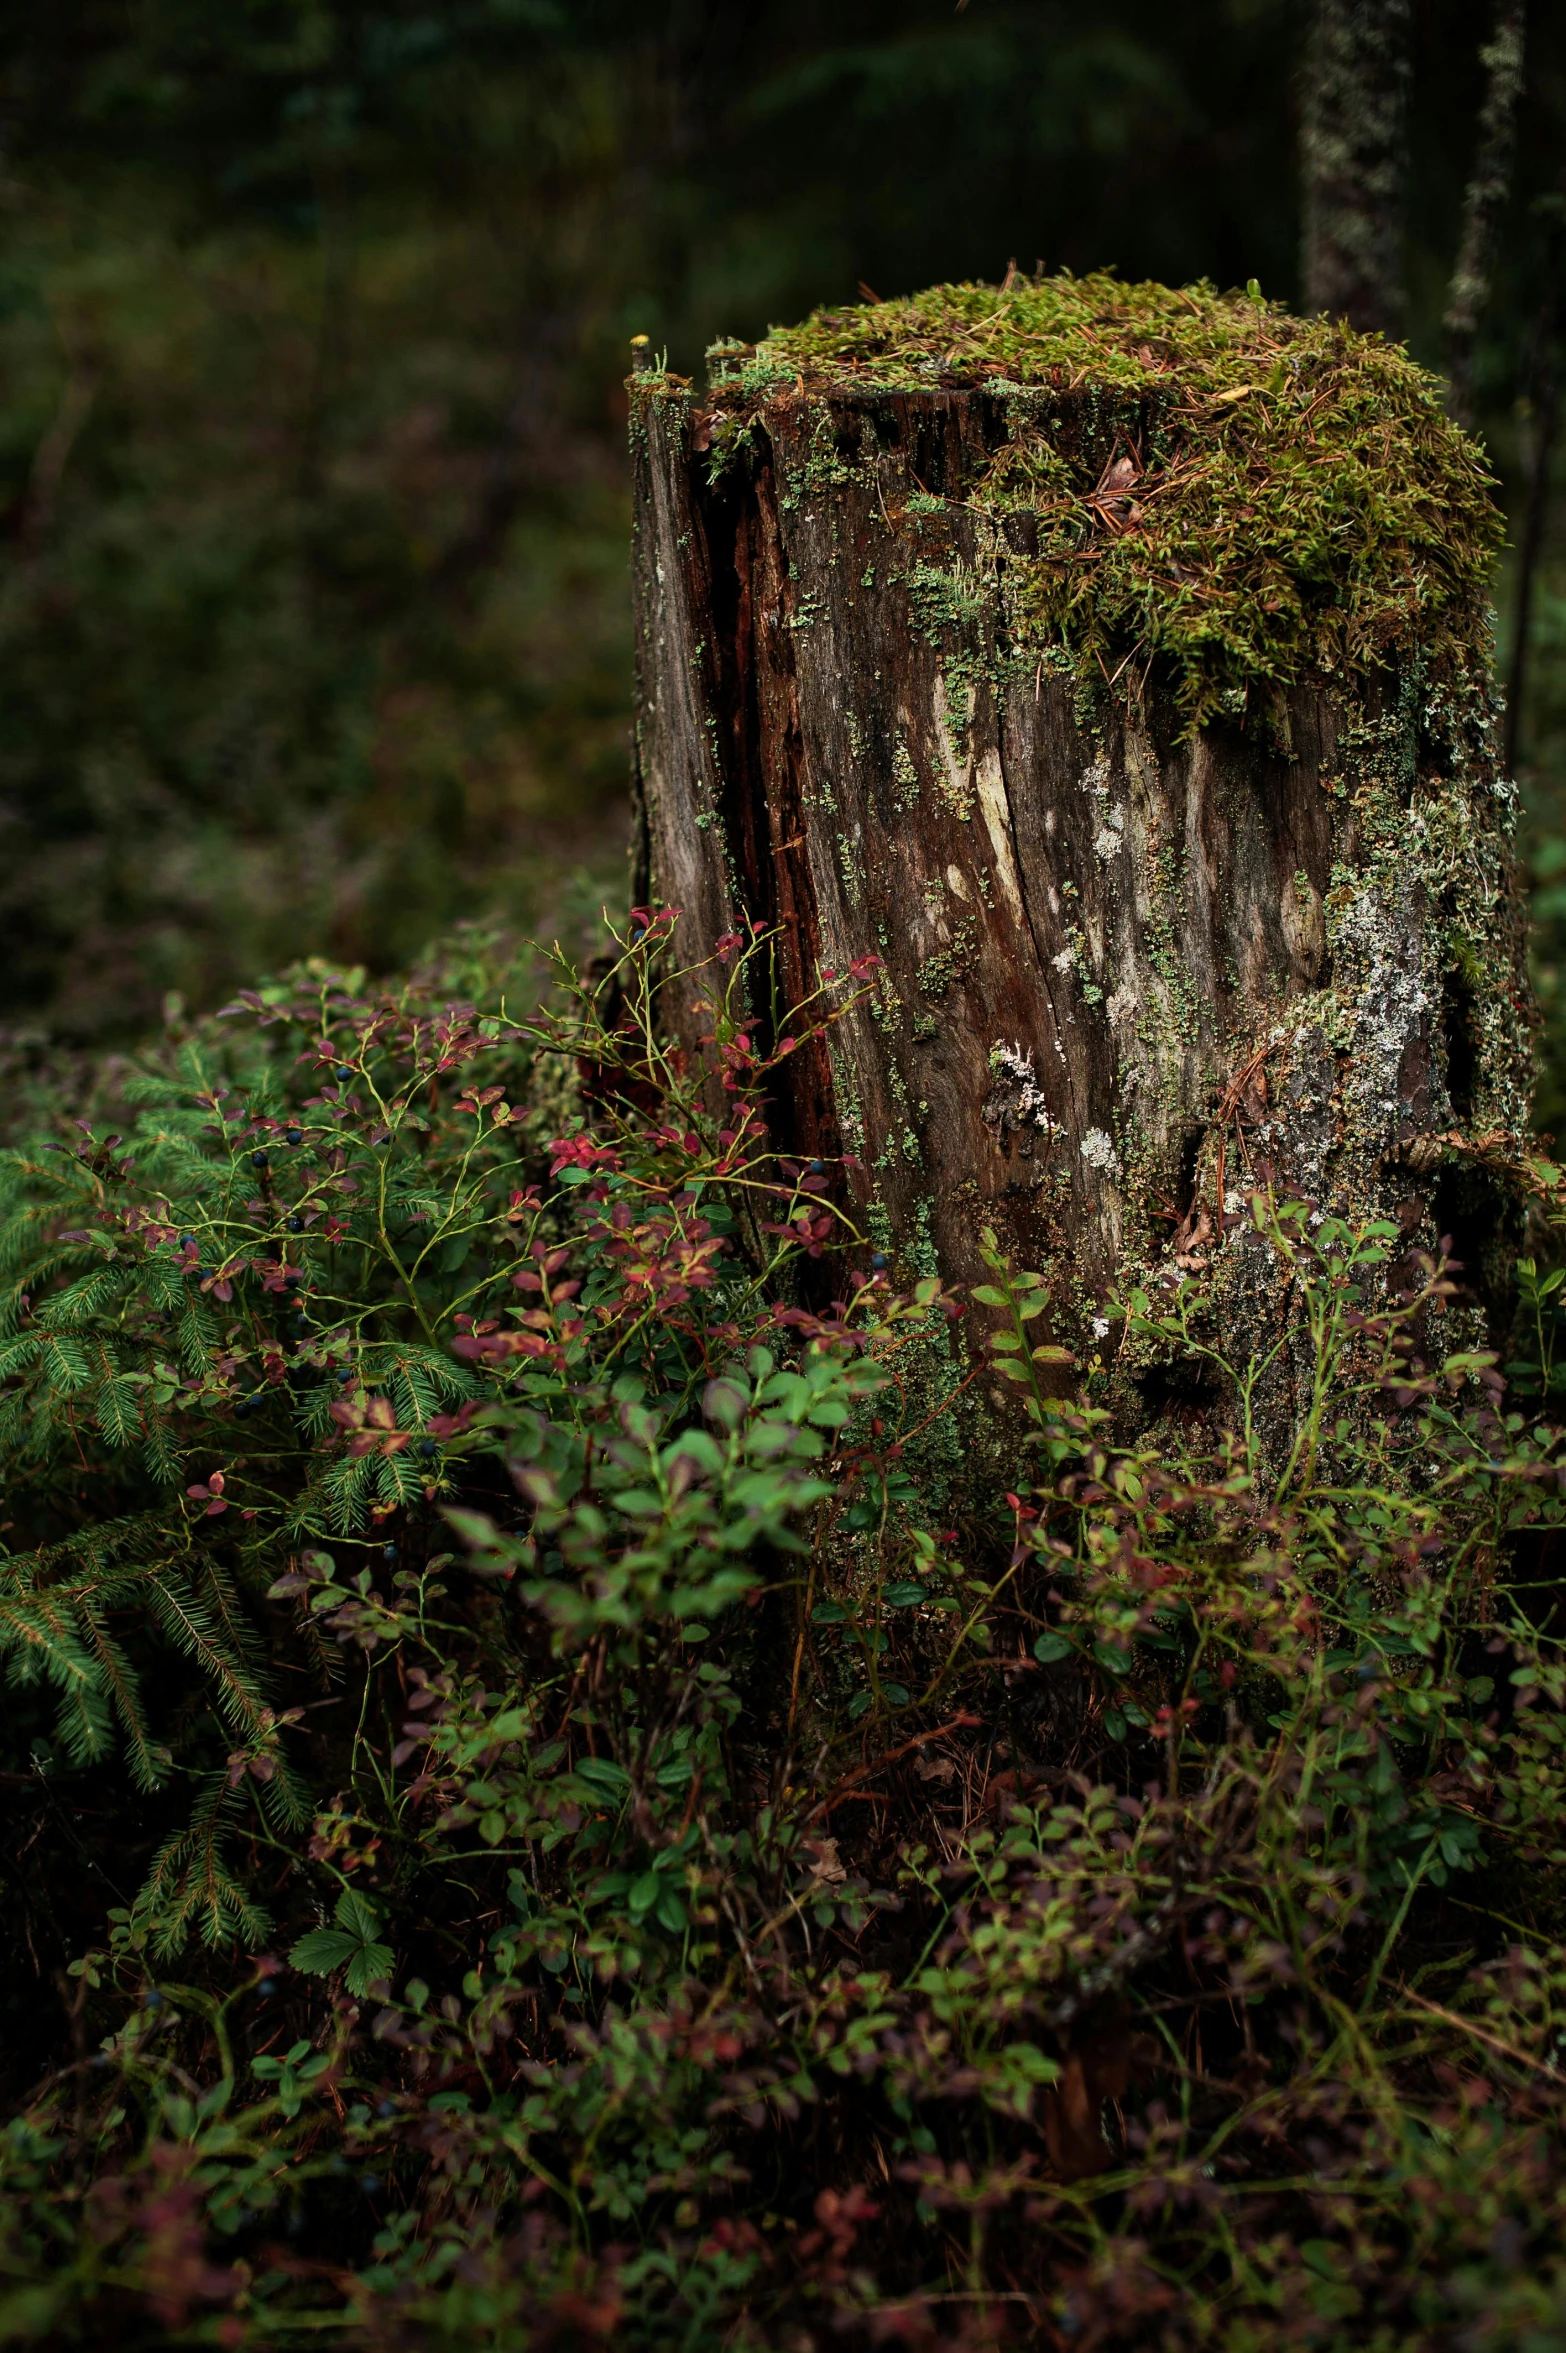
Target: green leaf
(323,1950)
(669,1911)
(353,1945)
(725,1402)
(474,1529)
(701,1449)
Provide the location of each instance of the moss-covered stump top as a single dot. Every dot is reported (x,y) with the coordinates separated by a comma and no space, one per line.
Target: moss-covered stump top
(1255,497)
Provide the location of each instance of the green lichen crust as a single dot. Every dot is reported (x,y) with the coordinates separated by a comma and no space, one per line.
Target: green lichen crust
(1253,497)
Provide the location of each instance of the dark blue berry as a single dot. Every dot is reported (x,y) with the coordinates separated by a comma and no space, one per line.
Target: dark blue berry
(818,1168)
(295,1135)
(346,1375)
(266,1985)
(388,1552)
(187,1241)
(258,1160)
(879,1260)
(343,1071)
(296,1225)
(426,1447)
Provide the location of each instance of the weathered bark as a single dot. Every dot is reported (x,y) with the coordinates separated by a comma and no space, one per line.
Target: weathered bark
(1122,972)
(1354,161)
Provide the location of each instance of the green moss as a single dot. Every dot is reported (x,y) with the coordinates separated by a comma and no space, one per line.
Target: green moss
(905,776)
(939,974)
(1254,497)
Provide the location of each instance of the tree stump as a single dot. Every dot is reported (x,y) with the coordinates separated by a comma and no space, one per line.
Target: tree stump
(1113,663)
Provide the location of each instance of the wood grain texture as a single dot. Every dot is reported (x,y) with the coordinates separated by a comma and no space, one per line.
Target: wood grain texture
(1123,973)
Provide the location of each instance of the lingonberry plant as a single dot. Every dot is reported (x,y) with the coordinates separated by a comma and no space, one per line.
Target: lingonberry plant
(561,1795)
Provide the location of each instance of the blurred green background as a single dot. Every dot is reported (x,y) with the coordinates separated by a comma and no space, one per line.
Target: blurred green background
(313,322)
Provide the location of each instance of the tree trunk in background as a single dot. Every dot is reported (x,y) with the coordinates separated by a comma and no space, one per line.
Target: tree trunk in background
(1484,202)
(1123,973)
(1543,391)
(1354,161)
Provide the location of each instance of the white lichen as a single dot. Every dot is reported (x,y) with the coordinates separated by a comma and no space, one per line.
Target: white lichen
(1031,1109)
(1099,1152)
